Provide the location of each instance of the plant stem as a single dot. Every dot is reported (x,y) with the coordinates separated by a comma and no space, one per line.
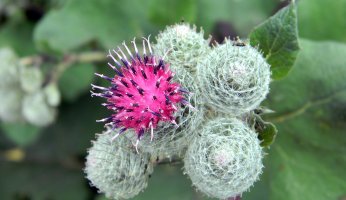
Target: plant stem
(69,60)
(66,62)
(85,57)
(90,57)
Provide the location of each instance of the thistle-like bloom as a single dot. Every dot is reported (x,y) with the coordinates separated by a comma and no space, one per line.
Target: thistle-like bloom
(142,92)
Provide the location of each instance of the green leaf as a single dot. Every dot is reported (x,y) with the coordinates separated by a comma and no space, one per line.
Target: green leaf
(277,38)
(76,80)
(302,171)
(40,181)
(322,20)
(308,159)
(266,131)
(170,12)
(79,22)
(22,134)
(267,134)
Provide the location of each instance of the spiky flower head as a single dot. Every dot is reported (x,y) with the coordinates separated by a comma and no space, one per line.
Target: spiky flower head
(182,47)
(225,160)
(115,168)
(234,79)
(142,92)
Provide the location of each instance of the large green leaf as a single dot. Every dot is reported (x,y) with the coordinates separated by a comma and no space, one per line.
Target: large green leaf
(322,20)
(308,160)
(277,38)
(78,22)
(316,91)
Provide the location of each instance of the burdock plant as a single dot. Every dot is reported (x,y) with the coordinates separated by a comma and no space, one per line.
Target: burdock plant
(180,98)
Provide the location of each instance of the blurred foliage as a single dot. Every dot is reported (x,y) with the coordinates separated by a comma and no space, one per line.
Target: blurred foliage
(18,35)
(18,184)
(169,12)
(308,158)
(76,80)
(78,22)
(307,161)
(21,133)
(322,20)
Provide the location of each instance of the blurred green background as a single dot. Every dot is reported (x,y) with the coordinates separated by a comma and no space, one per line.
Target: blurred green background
(307,161)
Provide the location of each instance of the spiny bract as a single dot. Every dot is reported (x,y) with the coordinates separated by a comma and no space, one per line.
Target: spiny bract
(234,79)
(225,160)
(142,92)
(115,168)
(170,140)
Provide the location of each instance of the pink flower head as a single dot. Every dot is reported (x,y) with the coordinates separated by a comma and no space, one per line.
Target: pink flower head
(142,92)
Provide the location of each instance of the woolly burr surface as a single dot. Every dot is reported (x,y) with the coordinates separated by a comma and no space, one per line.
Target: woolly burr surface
(116,169)
(234,79)
(182,47)
(225,160)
